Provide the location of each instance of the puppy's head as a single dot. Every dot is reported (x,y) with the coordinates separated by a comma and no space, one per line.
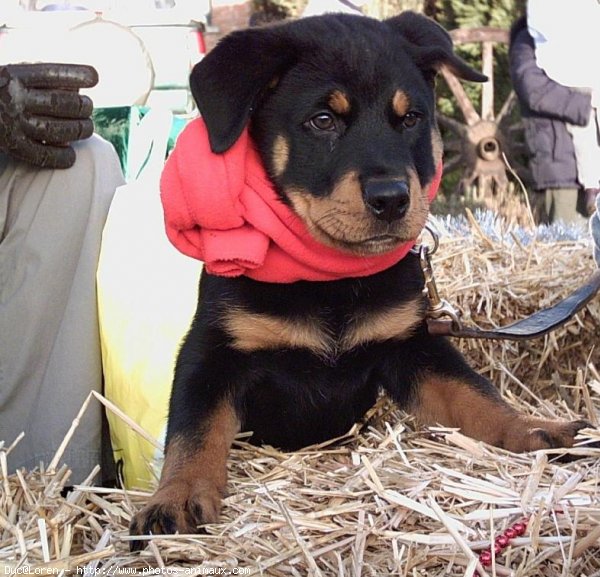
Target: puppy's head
(341,109)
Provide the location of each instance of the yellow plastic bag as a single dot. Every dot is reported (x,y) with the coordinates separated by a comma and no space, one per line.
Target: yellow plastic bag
(147,295)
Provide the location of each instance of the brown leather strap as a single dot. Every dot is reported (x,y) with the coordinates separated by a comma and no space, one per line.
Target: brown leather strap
(536,325)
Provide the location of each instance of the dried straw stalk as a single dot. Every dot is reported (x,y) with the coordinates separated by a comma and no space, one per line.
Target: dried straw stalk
(389,498)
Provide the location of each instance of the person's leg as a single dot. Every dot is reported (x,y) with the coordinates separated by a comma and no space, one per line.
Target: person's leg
(587,155)
(595,230)
(50,230)
(537,201)
(561,205)
(591,194)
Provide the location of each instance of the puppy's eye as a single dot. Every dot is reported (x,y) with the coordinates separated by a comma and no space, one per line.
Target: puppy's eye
(411,119)
(323,121)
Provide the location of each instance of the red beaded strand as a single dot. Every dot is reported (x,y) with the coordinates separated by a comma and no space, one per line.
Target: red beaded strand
(501,542)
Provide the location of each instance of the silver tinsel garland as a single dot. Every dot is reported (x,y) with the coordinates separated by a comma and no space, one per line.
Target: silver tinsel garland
(498,229)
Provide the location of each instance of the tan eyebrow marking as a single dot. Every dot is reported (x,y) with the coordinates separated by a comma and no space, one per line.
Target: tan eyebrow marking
(401,103)
(339,102)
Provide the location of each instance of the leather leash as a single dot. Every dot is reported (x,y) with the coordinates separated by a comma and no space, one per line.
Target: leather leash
(444,320)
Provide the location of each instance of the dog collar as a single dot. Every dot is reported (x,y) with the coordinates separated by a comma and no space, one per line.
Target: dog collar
(222,209)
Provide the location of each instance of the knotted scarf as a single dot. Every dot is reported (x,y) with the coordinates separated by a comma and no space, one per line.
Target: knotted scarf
(222,209)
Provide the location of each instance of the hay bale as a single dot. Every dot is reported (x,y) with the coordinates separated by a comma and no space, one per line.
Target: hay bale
(388,498)
(496,274)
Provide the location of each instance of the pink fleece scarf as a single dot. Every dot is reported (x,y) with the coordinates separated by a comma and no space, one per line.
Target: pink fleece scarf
(222,209)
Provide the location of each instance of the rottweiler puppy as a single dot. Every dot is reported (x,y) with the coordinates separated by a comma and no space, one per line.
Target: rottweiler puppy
(341,111)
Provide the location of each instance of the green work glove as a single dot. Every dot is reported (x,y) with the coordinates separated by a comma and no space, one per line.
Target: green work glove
(42,112)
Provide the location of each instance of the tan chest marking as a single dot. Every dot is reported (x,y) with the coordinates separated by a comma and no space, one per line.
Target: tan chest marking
(398,322)
(254,332)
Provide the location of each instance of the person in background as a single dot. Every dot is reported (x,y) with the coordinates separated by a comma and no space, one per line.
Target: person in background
(317,7)
(563,37)
(595,230)
(546,108)
(267,12)
(56,185)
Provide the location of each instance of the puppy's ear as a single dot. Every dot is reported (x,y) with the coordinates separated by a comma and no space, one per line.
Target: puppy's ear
(431,46)
(228,81)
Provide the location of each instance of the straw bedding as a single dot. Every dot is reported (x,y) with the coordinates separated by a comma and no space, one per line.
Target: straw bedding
(390,498)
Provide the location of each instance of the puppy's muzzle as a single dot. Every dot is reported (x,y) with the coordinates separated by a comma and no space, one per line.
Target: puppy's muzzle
(387,200)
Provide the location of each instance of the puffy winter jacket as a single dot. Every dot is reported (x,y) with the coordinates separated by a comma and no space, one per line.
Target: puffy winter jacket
(595,229)
(545,108)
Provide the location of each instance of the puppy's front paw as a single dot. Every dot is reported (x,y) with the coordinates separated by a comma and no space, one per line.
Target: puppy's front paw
(176,507)
(527,434)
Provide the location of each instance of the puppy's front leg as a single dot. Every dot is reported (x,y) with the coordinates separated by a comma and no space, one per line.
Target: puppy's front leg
(446,391)
(473,405)
(194,475)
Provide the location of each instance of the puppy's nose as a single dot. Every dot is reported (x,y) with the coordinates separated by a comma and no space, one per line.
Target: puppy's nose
(387,199)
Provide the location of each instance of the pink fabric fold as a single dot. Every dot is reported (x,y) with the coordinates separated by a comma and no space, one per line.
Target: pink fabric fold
(222,209)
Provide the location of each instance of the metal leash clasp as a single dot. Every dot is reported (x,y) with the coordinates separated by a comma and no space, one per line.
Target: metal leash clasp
(437,306)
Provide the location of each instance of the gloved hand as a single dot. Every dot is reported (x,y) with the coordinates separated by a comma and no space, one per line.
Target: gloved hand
(42,112)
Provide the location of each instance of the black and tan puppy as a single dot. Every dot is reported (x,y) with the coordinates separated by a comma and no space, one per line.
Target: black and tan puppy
(341,109)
